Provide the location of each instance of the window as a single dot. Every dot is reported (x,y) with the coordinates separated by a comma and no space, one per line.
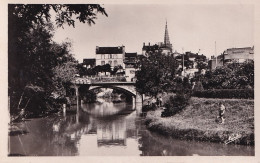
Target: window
(110,62)
(132,72)
(102,62)
(110,56)
(115,62)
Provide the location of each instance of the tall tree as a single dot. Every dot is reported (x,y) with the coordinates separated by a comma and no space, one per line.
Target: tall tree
(32,54)
(155,74)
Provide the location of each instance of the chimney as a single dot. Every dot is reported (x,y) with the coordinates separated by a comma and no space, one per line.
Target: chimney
(149,43)
(144,44)
(123,48)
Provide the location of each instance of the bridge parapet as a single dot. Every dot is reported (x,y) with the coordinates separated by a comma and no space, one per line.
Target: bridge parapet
(101,80)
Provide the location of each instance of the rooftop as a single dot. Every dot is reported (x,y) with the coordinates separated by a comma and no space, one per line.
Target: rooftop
(110,50)
(130,54)
(89,61)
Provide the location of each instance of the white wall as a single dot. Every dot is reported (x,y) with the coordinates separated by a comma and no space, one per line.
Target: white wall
(129,73)
(107,58)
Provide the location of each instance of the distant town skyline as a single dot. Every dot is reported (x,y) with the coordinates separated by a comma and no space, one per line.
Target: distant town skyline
(192,28)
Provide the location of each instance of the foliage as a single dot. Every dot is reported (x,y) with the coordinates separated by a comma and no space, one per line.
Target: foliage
(175,104)
(116,69)
(199,116)
(89,97)
(155,74)
(198,86)
(178,102)
(230,76)
(150,107)
(99,68)
(33,56)
(63,75)
(226,93)
(201,65)
(182,85)
(106,68)
(64,13)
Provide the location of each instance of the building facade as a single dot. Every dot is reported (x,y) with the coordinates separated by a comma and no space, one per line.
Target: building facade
(114,56)
(130,63)
(215,62)
(232,55)
(239,55)
(188,63)
(89,63)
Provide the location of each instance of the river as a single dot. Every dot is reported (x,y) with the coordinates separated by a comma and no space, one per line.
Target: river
(106,129)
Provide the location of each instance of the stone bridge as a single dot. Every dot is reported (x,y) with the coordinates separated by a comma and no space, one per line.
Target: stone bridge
(126,87)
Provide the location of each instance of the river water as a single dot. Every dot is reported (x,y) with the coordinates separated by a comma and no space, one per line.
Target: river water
(106,128)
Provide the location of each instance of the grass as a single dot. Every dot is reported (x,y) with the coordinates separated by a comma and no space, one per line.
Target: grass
(197,121)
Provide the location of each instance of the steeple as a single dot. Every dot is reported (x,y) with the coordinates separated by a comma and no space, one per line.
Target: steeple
(166,38)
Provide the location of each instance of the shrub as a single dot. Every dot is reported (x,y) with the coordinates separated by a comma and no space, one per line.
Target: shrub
(198,87)
(175,104)
(147,108)
(226,93)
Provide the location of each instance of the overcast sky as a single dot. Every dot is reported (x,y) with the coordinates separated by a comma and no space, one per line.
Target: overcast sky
(191,27)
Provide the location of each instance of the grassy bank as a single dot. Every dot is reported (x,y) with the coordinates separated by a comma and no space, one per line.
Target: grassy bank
(198,121)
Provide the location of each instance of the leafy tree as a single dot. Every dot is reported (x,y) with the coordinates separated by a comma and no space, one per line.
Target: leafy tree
(230,76)
(177,103)
(155,74)
(63,75)
(32,54)
(106,68)
(201,65)
(116,69)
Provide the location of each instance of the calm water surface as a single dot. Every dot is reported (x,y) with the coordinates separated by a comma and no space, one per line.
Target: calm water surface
(113,129)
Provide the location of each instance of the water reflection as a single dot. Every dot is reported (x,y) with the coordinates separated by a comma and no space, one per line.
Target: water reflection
(106,129)
(113,133)
(152,144)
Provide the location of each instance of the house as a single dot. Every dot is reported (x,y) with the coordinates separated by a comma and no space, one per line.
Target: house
(238,55)
(114,56)
(148,49)
(89,63)
(130,66)
(188,63)
(215,62)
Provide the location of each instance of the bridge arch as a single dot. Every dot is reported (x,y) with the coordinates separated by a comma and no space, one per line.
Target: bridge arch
(130,90)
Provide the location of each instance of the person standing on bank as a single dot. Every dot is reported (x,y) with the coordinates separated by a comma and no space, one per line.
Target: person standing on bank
(157,102)
(160,101)
(221,113)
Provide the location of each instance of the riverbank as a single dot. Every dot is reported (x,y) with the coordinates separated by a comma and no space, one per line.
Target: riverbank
(198,121)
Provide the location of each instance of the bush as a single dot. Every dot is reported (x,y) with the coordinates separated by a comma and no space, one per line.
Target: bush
(198,87)
(225,93)
(147,108)
(175,104)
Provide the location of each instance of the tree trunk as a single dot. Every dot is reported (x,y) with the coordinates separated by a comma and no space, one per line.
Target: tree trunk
(27,103)
(18,107)
(142,99)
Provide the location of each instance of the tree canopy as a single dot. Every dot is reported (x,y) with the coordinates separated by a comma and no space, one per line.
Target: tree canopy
(156,74)
(230,76)
(33,57)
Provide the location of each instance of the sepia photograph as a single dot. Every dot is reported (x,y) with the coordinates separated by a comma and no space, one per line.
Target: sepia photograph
(130,79)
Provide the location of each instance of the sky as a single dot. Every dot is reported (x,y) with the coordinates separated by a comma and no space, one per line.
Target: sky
(190,27)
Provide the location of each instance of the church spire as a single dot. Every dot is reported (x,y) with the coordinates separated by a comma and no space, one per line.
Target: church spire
(166,36)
